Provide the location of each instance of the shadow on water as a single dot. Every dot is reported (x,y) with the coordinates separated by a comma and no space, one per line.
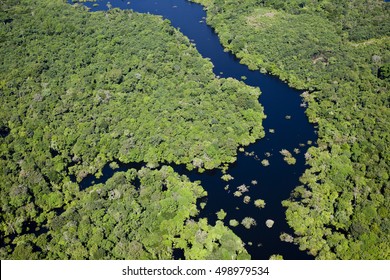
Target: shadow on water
(286,127)
(4,131)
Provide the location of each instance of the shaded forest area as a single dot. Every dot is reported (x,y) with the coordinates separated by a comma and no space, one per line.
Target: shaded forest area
(339,51)
(79,90)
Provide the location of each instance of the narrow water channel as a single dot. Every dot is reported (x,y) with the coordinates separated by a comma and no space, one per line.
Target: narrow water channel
(286,127)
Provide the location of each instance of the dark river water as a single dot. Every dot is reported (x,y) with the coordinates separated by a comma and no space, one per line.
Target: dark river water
(284,115)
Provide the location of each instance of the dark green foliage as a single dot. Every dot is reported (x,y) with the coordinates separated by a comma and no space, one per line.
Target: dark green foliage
(384,72)
(79,90)
(340,52)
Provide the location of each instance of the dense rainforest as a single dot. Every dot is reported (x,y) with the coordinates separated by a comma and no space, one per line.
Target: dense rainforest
(79,90)
(339,52)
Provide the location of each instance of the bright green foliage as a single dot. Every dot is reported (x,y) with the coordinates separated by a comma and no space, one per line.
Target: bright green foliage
(201,239)
(276,257)
(233,223)
(79,90)
(288,157)
(259,203)
(227,177)
(340,52)
(221,214)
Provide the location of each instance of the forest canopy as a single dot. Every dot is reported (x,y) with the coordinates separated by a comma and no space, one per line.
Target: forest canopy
(339,52)
(79,90)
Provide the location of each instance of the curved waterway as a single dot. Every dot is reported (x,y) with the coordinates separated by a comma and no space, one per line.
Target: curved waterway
(286,127)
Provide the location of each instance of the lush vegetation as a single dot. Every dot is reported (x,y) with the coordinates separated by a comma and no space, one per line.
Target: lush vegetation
(79,90)
(339,51)
(135,215)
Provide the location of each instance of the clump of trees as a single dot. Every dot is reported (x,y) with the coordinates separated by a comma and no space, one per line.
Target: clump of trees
(285,237)
(259,203)
(248,222)
(247,199)
(276,257)
(221,214)
(265,162)
(233,223)
(269,223)
(227,177)
(288,156)
(237,193)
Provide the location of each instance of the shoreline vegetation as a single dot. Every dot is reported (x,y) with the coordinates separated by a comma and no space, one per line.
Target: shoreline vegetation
(79,90)
(340,53)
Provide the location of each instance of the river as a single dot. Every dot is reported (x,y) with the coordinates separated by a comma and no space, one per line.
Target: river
(286,127)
